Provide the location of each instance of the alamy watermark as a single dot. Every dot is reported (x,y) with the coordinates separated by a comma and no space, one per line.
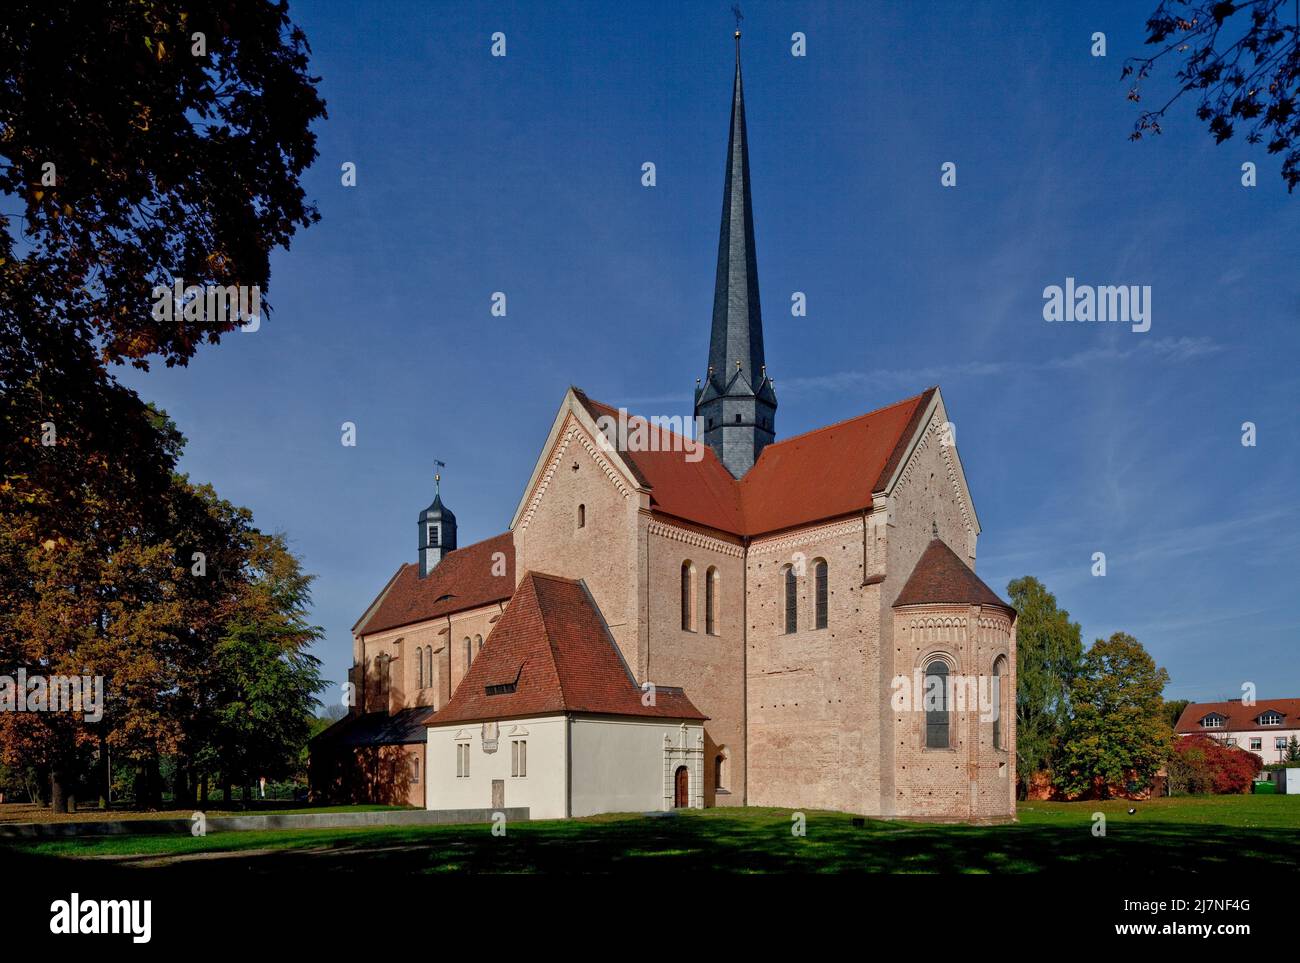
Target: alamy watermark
(55,693)
(212,302)
(958,693)
(1122,303)
(129,917)
(657,433)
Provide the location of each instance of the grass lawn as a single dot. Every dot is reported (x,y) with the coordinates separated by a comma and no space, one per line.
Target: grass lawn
(1198,834)
(29,813)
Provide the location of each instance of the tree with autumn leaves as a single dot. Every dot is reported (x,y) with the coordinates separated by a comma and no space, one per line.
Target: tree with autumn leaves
(1240,61)
(142,142)
(1202,764)
(196,621)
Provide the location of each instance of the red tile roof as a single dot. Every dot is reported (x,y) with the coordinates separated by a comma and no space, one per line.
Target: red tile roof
(699,491)
(1240,718)
(462,580)
(822,474)
(941,577)
(552,646)
(831,471)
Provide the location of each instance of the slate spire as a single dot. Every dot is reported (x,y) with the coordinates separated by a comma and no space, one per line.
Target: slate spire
(736,399)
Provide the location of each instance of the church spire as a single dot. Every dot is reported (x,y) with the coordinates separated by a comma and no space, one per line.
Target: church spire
(737,401)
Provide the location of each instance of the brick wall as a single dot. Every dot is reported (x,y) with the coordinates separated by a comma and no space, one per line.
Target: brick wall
(813,718)
(709,667)
(401,646)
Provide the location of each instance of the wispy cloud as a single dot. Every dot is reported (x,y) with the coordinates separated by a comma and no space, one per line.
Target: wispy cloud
(1161,350)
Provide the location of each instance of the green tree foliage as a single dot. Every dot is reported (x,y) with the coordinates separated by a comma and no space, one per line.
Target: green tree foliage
(267,680)
(1174,709)
(1118,734)
(1048,649)
(1241,58)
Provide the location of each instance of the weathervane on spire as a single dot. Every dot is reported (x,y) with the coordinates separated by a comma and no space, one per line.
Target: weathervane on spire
(735,12)
(437,475)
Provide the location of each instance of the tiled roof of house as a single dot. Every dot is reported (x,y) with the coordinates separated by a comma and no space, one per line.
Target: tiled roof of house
(1239,717)
(940,577)
(821,474)
(551,653)
(464,579)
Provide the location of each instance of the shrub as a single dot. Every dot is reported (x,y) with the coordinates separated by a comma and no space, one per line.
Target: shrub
(1200,764)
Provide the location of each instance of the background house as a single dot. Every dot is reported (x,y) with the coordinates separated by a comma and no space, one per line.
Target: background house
(1264,728)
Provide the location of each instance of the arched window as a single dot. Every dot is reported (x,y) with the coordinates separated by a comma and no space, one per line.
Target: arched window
(415,770)
(478,643)
(721,769)
(791,600)
(428,654)
(999,673)
(469,654)
(582,516)
(688,596)
(937,722)
(419,667)
(819,571)
(711,582)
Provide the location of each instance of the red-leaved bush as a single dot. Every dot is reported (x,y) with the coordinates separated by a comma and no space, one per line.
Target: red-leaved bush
(1200,764)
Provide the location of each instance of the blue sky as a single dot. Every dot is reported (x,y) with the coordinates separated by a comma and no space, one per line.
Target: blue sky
(522,174)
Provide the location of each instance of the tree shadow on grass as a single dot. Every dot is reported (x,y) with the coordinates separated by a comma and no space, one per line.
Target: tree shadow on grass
(750,844)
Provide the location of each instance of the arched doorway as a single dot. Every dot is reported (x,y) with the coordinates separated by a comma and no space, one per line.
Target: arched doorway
(682,791)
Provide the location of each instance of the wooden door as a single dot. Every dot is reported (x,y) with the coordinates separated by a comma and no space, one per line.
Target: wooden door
(498,794)
(682,793)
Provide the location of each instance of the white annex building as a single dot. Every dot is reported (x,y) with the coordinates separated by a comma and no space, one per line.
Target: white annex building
(551,711)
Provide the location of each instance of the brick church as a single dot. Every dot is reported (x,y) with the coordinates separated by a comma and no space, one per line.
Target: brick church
(674,624)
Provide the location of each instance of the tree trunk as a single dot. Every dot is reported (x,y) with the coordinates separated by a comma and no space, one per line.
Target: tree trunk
(35,787)
(182,794)
(155,783)
(203,790)
(58,793)
(147,784)
(105,773)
